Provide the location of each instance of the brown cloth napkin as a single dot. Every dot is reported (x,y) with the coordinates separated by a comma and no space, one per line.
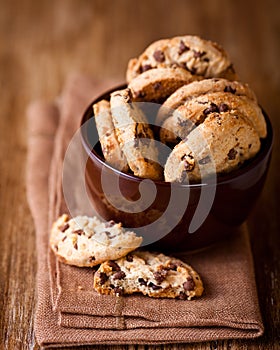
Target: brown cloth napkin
(69,311)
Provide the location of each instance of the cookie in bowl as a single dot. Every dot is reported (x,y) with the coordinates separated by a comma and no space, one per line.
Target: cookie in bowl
(107,136)
(196,109)
(198,56)
(221,144)
(199,88)
(135,136)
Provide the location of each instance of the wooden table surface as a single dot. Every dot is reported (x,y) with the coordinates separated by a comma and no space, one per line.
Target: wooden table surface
(41,42)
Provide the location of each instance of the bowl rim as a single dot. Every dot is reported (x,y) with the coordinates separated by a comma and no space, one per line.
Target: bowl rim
(265,151)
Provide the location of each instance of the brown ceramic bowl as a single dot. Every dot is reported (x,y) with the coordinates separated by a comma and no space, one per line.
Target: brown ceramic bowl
(220,208)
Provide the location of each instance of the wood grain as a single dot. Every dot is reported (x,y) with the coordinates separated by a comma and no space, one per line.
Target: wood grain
(41,42)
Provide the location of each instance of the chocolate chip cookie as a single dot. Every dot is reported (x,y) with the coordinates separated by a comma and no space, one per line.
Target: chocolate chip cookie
(222,143)
(135,136)
(157,84)
(152,274)
(107,136)
(195,111)
(195,55)
(198,88)
(86,241)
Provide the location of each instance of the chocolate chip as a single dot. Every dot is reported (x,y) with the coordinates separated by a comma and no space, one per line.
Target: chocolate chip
(188,166)
(188,162)
(206,59)
(250,145)
(182,296)
(79,232)
(182,47)
(232,154)
(110,234)
(154,286)
(129,257)
(142,282)
(191,70)
(146,67)
(114,265)
(64,227)
(172,266)
(157,86)
(63,239)
(119,275)
(110,223)
(56,247)
(76,246)
(118,291)
(213,108)
(91,258)
(160,275)
(228,88)
(223,107)
(204,160)
(198,54)
(189,284)
(159,56)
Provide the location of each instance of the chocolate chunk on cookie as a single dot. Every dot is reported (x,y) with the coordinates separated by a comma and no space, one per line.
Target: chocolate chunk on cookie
(152,274)
(107,136)
(157,84)
(191,53)
(219,145)
(86,241)
(135,136)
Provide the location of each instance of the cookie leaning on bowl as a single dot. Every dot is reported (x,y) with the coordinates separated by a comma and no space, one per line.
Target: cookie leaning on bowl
(152,274)
(195,55)
(135,136)
(199,88)
(195,110)
(222,143)
(107,136)
(86,241)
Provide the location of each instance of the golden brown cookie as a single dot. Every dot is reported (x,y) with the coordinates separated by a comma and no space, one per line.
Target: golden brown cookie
(157,84)
(86,241)
(197,56)
(197,109)
(152,274)
(199,88)
(220,144)
(135,136)
(107,136)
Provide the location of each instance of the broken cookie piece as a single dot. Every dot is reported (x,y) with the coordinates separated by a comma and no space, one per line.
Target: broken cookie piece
(152,274)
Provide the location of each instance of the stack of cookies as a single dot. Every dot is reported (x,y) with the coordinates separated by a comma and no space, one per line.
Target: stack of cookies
(210,121)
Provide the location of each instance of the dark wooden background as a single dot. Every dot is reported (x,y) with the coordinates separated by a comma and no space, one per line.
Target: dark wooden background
(42,41)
